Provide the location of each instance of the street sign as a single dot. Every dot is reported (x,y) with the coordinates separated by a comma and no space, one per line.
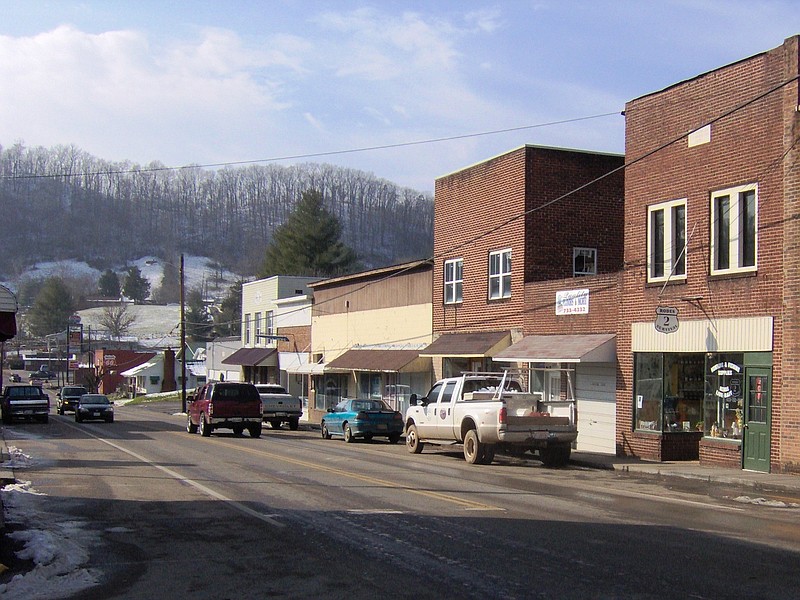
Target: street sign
(666,319)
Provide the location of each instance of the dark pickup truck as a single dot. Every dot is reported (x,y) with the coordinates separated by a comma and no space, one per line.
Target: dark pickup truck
(27,402)
(224,405)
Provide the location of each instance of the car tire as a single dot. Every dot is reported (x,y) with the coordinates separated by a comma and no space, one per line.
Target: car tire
(110,420)
(368,437)
(190,427)
(294,424)
(394,438)
(412,440)
(255,430)
(60,410)
(488,454)
(275,424)
(238,431)
(473,449)
(205,427)
(77,417)
(348,434)
(326,435)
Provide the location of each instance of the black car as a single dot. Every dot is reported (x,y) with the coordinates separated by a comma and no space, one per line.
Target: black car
(67,397)
(95,407)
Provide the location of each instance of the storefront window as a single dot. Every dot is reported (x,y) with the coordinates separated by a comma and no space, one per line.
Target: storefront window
(668,391)
(723,407)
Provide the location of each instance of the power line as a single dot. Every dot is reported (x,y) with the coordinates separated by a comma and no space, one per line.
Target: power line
(311,154)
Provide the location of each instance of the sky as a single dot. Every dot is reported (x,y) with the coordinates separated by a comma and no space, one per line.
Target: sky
(407,90)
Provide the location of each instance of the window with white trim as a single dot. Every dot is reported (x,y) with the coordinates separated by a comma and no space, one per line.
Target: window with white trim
(500,274)
(247,329)
(584,261)
(666,241)
(257,322)
(269,323)
(454,281)
(734,230)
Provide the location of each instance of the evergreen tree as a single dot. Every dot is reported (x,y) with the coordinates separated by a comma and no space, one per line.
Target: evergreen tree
(199,324)
(108,284)
(136,287)
(227,322)
(170,288)
(52,308)
(308,243)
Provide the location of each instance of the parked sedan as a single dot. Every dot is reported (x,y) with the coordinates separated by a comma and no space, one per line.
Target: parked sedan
(353,419)
(94,407)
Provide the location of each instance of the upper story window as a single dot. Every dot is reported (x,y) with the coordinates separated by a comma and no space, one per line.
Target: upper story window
(500,274)
(584,261)
(734,226)
(247,329)
(454,281)
(666,241)
(269,323)
(257,321)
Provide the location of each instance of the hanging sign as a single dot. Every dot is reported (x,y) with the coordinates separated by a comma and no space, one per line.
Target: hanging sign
(666,319)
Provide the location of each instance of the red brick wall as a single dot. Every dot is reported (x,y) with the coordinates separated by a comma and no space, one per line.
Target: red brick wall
(482,208)
(746,147)
(471,203)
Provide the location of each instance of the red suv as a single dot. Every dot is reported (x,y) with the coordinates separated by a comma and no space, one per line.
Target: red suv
(224,405)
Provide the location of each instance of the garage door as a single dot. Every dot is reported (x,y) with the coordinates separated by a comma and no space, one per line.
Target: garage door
(596,392)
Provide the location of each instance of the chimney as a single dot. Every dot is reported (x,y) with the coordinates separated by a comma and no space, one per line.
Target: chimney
(168,383)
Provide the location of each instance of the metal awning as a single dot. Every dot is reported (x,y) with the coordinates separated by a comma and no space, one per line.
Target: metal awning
(381,360)
(307,369)
(468,345)
(253,357)
(594,348)
(140,369)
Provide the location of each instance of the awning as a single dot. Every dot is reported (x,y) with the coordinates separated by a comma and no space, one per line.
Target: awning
(253,357)
(468,345)
(307,369)
(8,314)
(291,360)
(382,360)
(140,369)
(197,369)
(594,348)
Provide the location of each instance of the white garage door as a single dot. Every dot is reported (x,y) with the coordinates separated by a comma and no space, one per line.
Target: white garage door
(596,392)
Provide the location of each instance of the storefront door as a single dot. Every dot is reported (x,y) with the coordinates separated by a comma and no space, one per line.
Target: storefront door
(755,449)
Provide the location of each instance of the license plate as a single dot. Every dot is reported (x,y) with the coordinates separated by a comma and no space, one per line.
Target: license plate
(540,435)
(96,414)
(381,426)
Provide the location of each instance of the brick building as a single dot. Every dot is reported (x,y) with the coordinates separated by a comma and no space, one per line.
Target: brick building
(524,244)
(712,196)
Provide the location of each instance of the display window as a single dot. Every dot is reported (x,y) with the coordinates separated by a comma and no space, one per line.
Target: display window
(723,408)
(669,391)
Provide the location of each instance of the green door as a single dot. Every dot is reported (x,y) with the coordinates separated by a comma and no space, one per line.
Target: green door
(758,400)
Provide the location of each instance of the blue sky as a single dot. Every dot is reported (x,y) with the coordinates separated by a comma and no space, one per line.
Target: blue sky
(217,82)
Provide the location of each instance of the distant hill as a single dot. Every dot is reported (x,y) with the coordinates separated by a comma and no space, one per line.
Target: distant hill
(62,203)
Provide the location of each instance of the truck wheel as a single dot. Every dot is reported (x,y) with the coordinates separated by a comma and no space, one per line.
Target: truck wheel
(60,410)
(294,424)
(255,430)
(488,454)
(6,418)
(473,449)
(412,440)
(190,427)
(238,431)
(275,424)
(348,434)
(326,435)
(205,427)
(44,418)
(555,456)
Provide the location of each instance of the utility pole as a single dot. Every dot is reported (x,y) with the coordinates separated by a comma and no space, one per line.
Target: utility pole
(183,340)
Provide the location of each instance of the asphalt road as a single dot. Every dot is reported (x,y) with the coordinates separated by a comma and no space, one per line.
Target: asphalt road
(172,515)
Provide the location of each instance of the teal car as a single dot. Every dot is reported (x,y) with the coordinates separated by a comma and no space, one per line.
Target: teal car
(365,419)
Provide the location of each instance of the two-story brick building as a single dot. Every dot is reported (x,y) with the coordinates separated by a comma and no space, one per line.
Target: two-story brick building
(527,248)
(709,334)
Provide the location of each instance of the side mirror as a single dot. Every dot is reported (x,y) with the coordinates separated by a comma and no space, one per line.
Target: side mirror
(412,399)
(189,399)
(330,410)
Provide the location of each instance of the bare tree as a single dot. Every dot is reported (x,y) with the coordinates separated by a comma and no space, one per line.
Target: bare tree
(118,319)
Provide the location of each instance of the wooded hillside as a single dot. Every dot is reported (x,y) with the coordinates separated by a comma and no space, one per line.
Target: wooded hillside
(62,203)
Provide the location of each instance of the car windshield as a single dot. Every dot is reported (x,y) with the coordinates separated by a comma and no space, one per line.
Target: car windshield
(93,399)
(73,391)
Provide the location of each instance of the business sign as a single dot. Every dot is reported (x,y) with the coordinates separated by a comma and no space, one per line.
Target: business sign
(572,302)
(666,319)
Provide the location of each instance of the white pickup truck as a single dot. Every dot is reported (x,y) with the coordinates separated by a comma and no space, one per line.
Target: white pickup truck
(489,411)
(279,406)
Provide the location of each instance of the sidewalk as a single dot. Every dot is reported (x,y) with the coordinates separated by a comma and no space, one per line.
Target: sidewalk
(766,482)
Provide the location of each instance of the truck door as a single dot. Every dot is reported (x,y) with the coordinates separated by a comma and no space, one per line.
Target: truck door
(426,416)
(444,411)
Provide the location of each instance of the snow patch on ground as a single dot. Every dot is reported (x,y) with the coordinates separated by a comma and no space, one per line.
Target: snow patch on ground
(58,550)
(765,502)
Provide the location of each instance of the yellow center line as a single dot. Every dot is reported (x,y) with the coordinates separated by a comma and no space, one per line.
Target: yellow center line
(465,504)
